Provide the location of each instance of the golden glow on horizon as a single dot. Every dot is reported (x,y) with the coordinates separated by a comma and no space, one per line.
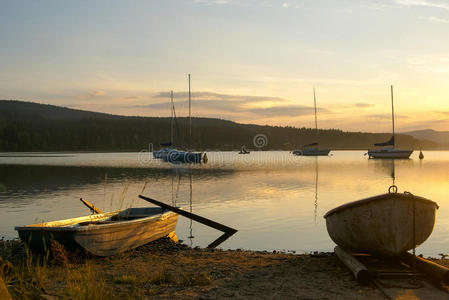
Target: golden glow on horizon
(251,70)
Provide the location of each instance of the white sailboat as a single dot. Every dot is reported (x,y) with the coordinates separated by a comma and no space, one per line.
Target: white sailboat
(164,152)
(389,152)
(181,156)
(315,151)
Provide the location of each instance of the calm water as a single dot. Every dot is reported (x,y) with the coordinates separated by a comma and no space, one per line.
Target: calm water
(275,200)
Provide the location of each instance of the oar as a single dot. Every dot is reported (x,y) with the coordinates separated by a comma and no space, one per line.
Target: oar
(228,231)
(92,207)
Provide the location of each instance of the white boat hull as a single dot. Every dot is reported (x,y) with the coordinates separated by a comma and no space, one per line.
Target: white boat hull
(389,153)
(100,234)
(382,225)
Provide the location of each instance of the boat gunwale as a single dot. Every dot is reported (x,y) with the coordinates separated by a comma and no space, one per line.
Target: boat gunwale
(75,227)
(385,196)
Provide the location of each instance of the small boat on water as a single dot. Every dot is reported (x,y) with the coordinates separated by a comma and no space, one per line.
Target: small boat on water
(178,156)
(315,151)
(389,152)
(162,153)
(243,150)
(102,234)
(385,225)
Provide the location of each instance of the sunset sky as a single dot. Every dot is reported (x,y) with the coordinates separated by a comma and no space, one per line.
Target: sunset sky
(251,61)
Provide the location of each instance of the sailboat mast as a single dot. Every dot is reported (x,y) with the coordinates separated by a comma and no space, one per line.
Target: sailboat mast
(171,117)
(392,114)
(190,118)
(316,123)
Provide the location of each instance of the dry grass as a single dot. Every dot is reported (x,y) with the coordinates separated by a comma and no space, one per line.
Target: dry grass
(34,274)
(28,276)
(153,272)
(59,254)
(200,279)
(162,277)
(86,283)
(126,279)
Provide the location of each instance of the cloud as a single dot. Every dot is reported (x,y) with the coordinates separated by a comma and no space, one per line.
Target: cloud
(97,93)
(379,6)
(434,19)
(445,113)
(203,96)
(361,104)
(220,2)
(131,97)
(425,3)
(284,111)
(240,105)
(341,107)
(205,104)
(385,116)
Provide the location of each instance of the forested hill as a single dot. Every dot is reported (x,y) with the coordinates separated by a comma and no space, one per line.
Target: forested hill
(28,126)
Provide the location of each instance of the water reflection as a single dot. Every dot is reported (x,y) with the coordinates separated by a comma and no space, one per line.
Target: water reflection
(274,206)
(316,188)
(32,180)
(191,208)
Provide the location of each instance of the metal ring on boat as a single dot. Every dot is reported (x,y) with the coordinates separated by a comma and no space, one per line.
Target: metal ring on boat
(392,189)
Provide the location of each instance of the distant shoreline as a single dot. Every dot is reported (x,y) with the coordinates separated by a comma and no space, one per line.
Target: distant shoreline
(59,153)
(27,126)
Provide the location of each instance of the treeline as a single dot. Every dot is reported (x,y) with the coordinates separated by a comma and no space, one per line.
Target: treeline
(27,126)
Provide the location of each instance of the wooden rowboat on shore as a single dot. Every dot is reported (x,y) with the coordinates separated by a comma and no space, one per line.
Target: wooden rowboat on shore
(102,234)
(385,225)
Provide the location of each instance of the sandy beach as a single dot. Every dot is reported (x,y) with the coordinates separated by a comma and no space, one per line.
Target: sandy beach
(167,270)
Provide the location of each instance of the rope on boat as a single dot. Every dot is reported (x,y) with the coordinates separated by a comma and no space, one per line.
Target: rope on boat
(414,231)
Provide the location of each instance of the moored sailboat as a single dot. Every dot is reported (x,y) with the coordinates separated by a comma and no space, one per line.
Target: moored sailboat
(311,149)
(389,152)
(179,156)
(162,153)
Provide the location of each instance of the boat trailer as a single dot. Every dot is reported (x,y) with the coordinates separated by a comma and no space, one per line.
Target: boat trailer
(403,276)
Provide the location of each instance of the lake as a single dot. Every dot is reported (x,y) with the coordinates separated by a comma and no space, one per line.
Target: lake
(276,200)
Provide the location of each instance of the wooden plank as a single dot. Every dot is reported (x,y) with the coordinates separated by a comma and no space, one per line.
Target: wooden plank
(360,272)
(436,271)
(226,229)
(192,216)
(220,240)
(92,207)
